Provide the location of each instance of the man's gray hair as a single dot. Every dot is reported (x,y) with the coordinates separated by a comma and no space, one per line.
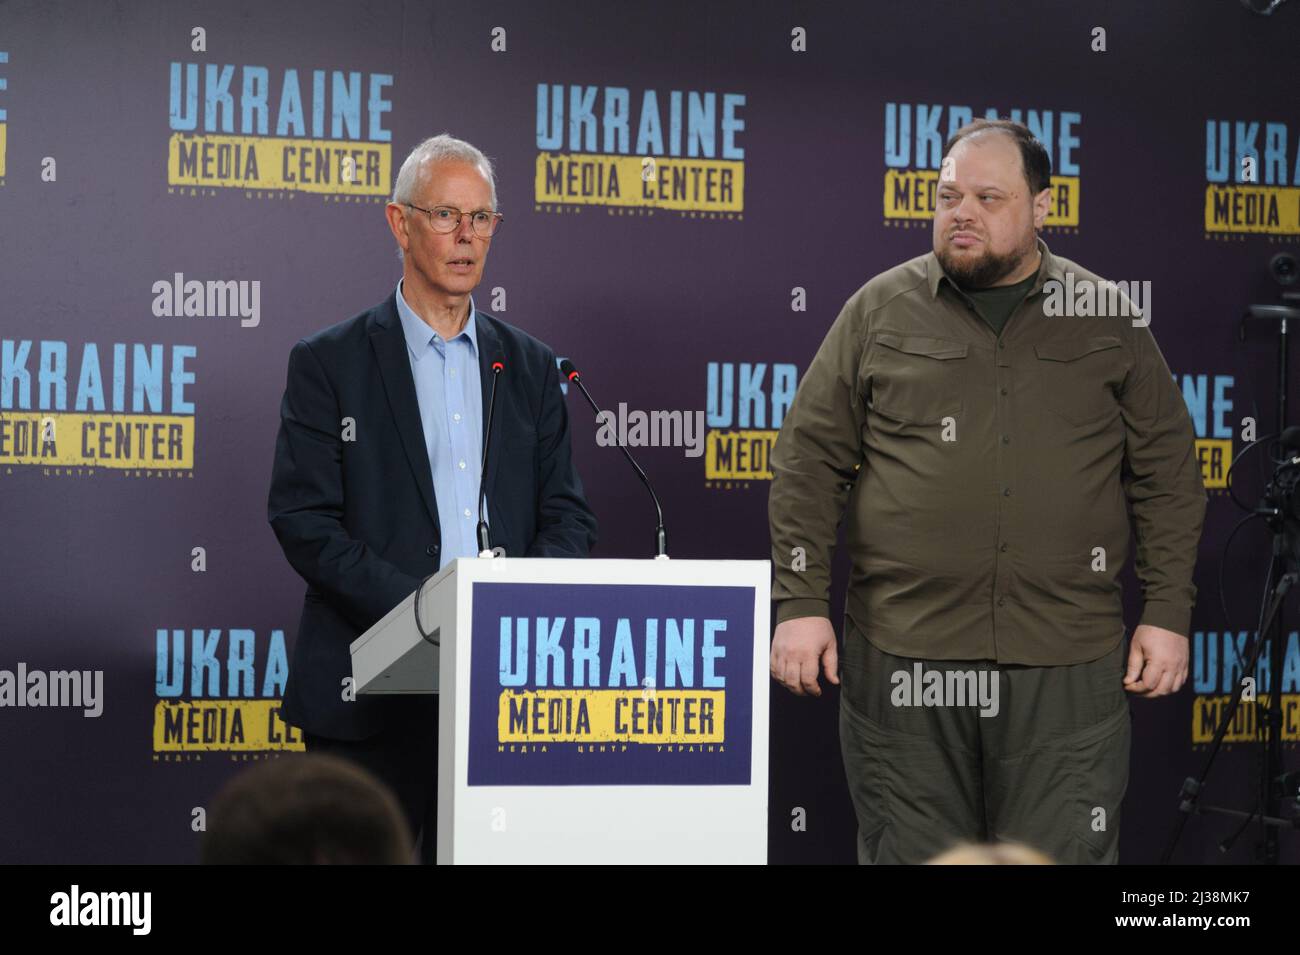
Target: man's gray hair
(436,149)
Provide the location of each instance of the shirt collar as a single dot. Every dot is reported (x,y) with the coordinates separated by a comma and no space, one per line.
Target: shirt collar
(1049,268)
(419,336)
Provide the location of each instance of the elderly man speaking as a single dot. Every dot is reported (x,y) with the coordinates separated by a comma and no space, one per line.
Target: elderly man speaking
(986,455)
(378,464)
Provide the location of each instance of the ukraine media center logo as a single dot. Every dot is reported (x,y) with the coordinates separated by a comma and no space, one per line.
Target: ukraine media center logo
(278,132)
(219,691)
(635,152)
(608,685)
(74,407)
(4,114)
(914,147)
(1247,187)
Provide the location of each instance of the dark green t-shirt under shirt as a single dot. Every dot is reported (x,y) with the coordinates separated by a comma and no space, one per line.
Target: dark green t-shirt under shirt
(996,304)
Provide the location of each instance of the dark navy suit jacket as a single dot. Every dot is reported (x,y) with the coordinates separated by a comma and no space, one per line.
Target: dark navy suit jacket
(358,519)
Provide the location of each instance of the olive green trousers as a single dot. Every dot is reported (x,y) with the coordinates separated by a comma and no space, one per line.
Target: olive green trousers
(926,771)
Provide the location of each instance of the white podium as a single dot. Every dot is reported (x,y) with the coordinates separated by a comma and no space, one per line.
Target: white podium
(591,710)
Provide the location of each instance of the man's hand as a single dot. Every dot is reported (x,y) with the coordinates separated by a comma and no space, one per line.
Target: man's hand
(798,646)
(1157,662)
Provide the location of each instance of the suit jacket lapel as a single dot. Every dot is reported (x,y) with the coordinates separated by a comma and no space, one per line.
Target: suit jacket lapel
(389,344)
(489,350)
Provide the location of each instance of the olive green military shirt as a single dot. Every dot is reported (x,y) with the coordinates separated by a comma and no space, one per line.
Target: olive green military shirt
(986,479)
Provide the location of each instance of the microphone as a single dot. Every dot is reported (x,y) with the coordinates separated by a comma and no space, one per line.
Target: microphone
(485,545)
(570,372)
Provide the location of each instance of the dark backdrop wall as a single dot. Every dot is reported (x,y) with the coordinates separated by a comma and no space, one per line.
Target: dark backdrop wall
(795,150)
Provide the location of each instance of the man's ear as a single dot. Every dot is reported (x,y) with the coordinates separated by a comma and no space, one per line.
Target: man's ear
(1042,205)
(397,224)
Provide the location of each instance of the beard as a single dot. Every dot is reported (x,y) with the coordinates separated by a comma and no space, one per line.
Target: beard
(982,271)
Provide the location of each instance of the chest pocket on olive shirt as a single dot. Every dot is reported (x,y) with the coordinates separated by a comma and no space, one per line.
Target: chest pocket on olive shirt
(915,379)
(1075,377)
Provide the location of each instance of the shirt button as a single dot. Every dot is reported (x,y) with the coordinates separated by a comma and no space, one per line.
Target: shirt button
(1006,492)
(1002,601)
(455,417)
(462,465)
(1000,345)
(467,513)
(1006,439)
(453,373)
(1003,547)
(1004,391)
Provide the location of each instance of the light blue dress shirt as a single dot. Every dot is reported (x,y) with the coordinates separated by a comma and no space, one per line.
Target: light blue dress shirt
(449,390)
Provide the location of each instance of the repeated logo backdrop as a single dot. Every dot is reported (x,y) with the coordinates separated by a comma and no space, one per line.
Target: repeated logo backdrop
(691,192)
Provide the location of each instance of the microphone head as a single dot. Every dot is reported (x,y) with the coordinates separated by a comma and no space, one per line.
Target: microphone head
(567,369)
(498,366)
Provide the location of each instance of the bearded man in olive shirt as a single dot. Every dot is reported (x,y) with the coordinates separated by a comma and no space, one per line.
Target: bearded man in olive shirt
(986,456)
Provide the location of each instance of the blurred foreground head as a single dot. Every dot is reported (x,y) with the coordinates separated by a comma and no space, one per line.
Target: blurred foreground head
(306,810)
(1002,853)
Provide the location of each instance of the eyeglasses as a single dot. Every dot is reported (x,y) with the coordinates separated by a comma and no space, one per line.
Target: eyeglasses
(447,219)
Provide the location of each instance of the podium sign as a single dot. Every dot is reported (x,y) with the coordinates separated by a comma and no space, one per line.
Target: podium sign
(592,710)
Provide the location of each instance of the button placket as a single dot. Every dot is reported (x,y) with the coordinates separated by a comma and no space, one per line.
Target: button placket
(1002,421)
